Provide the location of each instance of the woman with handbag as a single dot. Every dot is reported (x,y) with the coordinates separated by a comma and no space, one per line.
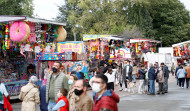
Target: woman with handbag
(29,95)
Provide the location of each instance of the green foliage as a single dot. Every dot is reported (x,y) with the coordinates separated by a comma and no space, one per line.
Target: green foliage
(16,7)
(165,20)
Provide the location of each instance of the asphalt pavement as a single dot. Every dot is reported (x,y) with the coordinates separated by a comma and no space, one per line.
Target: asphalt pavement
(175,100)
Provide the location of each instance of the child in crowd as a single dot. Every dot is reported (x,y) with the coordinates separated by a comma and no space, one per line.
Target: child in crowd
(62,102)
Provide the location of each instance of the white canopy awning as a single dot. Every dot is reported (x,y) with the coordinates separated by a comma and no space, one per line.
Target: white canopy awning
(178,44)
(143,40)
(8,18)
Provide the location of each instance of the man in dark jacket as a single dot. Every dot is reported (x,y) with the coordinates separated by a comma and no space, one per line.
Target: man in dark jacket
(152,77)
(177,68)
(104,100)
(43,104)
(166,77)
(127,72)
(142,73)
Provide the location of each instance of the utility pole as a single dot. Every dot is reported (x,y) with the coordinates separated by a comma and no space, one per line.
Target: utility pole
(75,36)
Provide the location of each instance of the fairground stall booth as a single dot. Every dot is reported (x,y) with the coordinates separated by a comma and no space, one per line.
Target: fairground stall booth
(105,47)
(21,38)
(72,56)
(181,52)
(139,49)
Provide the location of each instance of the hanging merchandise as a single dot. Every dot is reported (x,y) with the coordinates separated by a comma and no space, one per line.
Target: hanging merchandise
(6,34)
(62,34)
(32,37)
(19,31)
(38,32)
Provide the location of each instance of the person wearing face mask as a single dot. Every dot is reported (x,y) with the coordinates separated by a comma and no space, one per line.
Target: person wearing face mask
(62,102)
(71,95)
(55,81)
(84,103)
(103,98)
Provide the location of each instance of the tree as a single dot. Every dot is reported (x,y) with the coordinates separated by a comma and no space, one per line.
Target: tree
(170,19)
(165,20)
(16,7)
(95,16)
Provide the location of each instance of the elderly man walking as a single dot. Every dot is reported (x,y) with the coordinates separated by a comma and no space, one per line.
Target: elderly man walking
(166,77)
(55,81)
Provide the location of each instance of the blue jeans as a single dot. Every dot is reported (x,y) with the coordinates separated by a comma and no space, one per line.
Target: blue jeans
(152,86)
(134,78)
(51,105)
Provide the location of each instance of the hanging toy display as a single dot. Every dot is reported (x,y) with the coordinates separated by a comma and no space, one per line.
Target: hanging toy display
(19,31)
(38,32)
(6,34)
(32,37)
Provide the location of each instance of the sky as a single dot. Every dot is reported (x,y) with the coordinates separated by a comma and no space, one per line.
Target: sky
(48,9)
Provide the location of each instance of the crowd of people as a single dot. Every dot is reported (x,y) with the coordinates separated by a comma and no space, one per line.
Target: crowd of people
(128,72)
(69,93)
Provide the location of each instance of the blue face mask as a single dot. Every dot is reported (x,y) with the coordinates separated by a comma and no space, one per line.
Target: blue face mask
(70,82)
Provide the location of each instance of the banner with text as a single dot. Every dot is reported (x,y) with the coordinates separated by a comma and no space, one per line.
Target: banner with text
(71,46)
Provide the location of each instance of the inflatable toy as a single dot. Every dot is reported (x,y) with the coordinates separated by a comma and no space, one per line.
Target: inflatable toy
(19,31)
(62,34)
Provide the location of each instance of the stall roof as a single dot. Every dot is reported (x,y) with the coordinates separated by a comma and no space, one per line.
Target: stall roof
(8,18)
(143,40)
(87,37)
(178,44)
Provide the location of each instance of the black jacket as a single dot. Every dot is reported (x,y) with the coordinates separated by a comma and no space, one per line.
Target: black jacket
(142,73)
(151,74)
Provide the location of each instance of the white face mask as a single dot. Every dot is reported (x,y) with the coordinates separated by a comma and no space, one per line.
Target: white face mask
(96,87)
(58,95)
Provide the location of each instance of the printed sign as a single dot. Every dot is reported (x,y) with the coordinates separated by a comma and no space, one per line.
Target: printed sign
(70,47)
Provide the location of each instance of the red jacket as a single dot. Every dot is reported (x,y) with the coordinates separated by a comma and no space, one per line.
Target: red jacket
(66,107)
(7,103)
(108,100)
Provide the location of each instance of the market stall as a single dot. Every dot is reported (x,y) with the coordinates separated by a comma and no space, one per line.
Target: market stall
(181,52)
(141,46)
(21,39)
(72,56)
(105,47)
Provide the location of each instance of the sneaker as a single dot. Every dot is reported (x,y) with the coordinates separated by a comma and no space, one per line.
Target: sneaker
(126,89)
(158,93)
(182,87)
(120,89)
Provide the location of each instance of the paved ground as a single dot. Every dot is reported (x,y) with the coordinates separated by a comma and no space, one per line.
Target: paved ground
(176,100)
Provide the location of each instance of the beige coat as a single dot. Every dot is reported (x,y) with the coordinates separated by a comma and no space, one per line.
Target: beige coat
(160,76)
(84,103)
(72,98)
(29,95)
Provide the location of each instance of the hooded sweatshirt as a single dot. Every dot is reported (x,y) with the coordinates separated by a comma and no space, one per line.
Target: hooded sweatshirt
(108,100)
